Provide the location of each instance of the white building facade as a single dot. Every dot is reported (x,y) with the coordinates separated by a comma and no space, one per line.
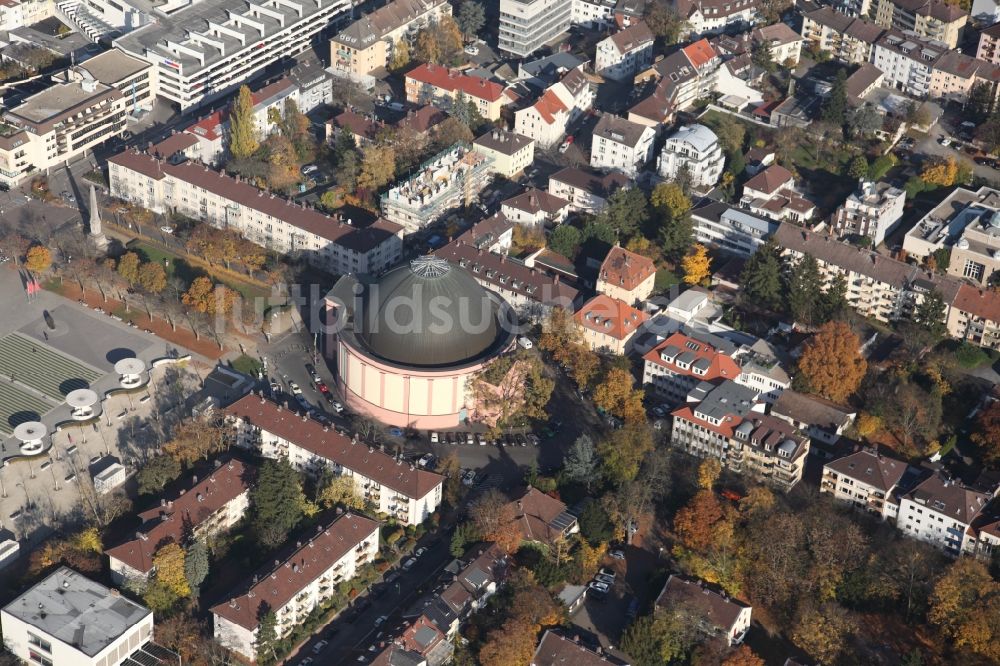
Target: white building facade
(527,25)
(621,145)
(696,149)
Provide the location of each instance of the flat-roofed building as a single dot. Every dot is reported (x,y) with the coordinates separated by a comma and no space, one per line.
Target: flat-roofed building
(732,230)
(66,618)
(305,579)
(407,493)
(871,211)
(696,150)
(528,25)
(368,44)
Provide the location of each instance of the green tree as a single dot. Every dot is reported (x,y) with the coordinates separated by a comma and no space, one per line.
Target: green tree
(835,107)
(157,473)
(295,127)
(641,641)
(581,464)
(664,22)
(128,267)
(400,56)
(196,565)
(834,299)
(989,133)
(242,129)
(600,230)
(267,635)
(671,211)
(928,321)
(465,111)
(864,121)
(471,17)
(858,167)
(595,524)
(277,502)
(760,55)
(980,103)
(465,533)
(565,239)
(881,166)
(626,212)
(761,277)
(804,290)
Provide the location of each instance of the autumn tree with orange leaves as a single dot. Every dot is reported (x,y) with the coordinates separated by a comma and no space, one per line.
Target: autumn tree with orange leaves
(831,363)
(987,433)
(495,518)
(532,609)
(695,523)
(743,656)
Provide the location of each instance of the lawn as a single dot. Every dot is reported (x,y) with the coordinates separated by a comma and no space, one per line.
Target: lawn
(665,279)
(178,266)
(248,365)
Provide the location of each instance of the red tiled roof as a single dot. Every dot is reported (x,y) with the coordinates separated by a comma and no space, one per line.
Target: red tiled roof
(725,428)
(626,269)
(610,316)
(720,611)
(535,512)
(306,564)
(329,444)
(549,105)
(983,303)
(171,523)
(210,127)
(357,124)
(770,179)
(722,366)
(422,119)
(452,80)
(700,52)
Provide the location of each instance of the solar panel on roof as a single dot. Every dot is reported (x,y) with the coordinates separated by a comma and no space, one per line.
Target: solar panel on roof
(563,520)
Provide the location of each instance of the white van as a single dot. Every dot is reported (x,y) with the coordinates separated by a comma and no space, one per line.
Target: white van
(525,342)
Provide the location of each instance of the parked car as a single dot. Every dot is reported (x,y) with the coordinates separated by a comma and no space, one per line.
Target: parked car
(472,49)
(607,571)
(167,229)
(599,587)
(419,551)
(319,646)
(337,407)
(525,342)
(659,411)
(380,620)
(408,564)
(434,438)
(309,168)
(945,141)
(470,438)
(425,460)
(294,388)
(468,478)
(301,399)
(617,554)
(603,578)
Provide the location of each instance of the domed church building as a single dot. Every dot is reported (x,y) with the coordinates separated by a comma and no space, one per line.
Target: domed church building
(407,344)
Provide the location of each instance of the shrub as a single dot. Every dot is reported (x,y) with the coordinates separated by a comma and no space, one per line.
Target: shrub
(971,356)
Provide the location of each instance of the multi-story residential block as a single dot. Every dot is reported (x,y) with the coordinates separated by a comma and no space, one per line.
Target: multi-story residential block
(202,51)
(400,490)
(528,25)
(593,13)
(718,614)
(297,585)
(203,509)
(626,276)
(784,43)
(586,191)
(608,324)
(931,19)
(696,150)
(618,144)
(541,518)
(494,234)
(556,650)
(85,106)
(535,208)
(847,39)
(974,316)
(821,419)
(772,193)
(509,152)
(877,286)
(907,60)
(761,370)
(622,54)
(368,44)
(163,183)
(955,74)
(871,211)
(686,359)
(452,178)
(69,619)
(940,511)
(768,449)
(479,580)
(967,223)
(730,229)
(706,17)
(443,87)
(867,479)
(989,44)
(530,291)
(545,120)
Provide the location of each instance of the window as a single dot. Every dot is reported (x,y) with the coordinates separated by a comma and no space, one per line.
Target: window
(39,643)
(973,270)
(39,659)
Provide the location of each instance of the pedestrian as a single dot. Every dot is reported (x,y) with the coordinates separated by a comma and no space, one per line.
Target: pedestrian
(46,334)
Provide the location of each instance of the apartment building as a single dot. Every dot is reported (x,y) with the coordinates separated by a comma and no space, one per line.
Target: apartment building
(494,234)
(907,60)
(704,425)
(52,127)
(452,178)
(620,55)
(541,518)
(772,193)
(847,39)
(820,419)
(719,615)
(686,359)
(784,43)
(586,191)
(368,44)
(593,13)
(67,618)
(867,479)
(556,649)
(177,184)
(871,211)
(768,449)
(620,145)
(989,44)
(930,19)
(528,25)
(201,510)
(608,324)
(732,230)
(443,87)
(203,51)
(940,511)
(761,370)
(546,119)
(974,316)
(509,152)
(535,208)
(397,489)
(530,291)
(626,276)
(877,286)
(693,149)
(306,578)
(707,17)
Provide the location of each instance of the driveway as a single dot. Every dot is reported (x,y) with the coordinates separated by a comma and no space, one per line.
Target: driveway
(930,146)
